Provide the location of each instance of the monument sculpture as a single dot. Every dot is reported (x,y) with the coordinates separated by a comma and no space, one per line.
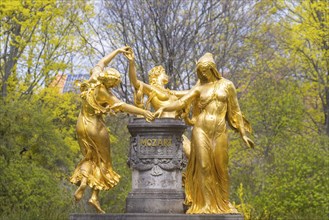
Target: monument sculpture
(156,148)
(207,180)
(95,169)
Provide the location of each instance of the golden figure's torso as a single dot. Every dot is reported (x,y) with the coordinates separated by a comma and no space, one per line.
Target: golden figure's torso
(162,97)
(212,104)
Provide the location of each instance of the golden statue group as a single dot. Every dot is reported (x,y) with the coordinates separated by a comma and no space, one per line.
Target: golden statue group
(212,101)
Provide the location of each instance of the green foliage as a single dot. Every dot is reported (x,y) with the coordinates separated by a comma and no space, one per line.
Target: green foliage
(39,39)
(114,201)
(37,152)
(29,191)
(284,98)
(296,188)
(37,125)
(284,176)
(305,39)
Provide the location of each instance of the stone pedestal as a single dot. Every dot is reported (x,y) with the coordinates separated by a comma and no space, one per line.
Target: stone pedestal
(156,159)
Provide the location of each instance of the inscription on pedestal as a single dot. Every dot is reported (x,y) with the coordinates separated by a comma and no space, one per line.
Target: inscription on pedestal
(155,142)
(156,153)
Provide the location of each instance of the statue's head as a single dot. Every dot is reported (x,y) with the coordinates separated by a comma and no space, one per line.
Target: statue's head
(157,75)
(206,66)
(110,77)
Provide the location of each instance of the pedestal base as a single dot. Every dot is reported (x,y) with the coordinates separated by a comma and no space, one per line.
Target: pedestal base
(155,201)
(155,216)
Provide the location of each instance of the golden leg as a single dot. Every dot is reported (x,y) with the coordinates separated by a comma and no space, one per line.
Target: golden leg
(80,191)
(94,201)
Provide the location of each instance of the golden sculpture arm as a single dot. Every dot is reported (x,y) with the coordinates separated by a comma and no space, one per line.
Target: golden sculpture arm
(179,104)
(182,93)
(147,89)
(132,73)
(104,62)
(111,100)
(138,111)
(162,96)
(139,93)
(235,117)
(107,59)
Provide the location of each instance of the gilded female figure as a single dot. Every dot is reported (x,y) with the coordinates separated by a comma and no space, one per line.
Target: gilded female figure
(215,102)
(95,169)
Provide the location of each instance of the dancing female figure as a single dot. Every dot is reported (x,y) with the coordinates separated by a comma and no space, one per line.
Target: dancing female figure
(95,169)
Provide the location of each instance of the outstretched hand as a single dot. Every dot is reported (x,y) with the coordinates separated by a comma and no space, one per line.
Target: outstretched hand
(124,50)
(158,113)
(149,116)
(248,141)
(129,53)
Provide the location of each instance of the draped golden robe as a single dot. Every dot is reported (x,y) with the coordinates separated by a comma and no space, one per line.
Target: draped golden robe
(94,140)
(207,180)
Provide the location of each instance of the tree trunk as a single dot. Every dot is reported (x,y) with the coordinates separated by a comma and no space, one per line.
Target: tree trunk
(10,62)
(326,111)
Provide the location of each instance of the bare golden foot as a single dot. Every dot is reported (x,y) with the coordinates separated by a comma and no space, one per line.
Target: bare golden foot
(96,204)
(232,208)
(79,193)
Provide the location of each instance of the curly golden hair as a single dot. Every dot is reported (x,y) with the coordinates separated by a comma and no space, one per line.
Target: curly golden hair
(154,73)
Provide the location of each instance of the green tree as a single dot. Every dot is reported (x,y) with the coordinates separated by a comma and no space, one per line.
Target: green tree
(38,41)
(41,126)
(29,191)
(305,37)
(284,176)
(38,152)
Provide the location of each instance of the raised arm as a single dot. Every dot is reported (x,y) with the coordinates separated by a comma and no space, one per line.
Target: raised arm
(132,69)
(108,58)
(105,61)
(139,85)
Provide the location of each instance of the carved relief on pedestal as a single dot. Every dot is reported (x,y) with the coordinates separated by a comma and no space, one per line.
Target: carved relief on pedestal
(156,153)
